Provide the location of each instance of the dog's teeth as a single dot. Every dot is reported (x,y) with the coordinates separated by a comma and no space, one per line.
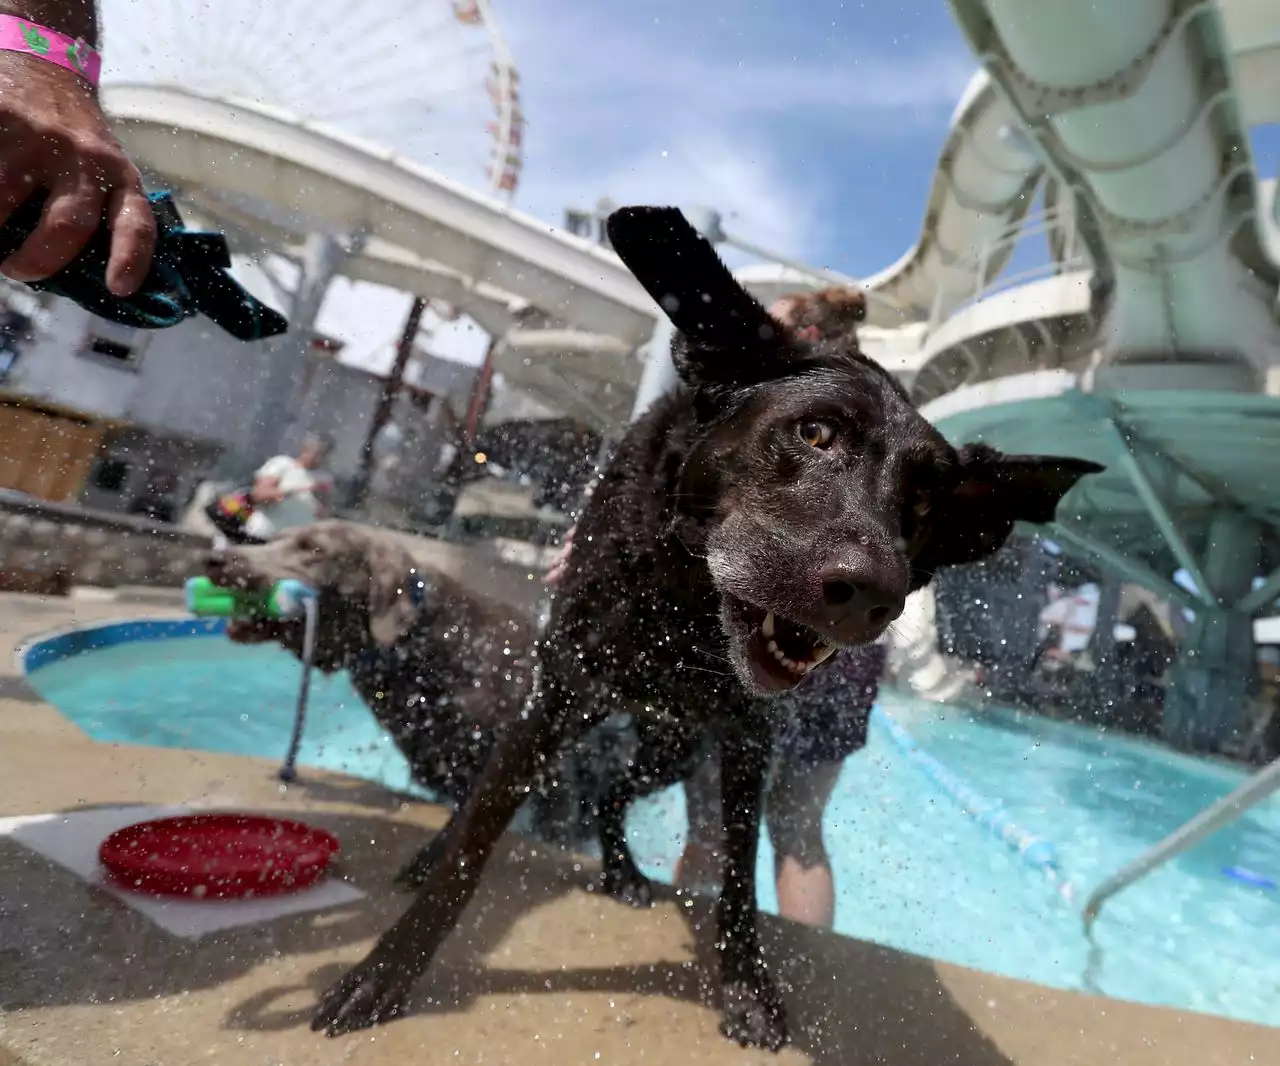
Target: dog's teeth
(766,627)
(773,647)
(822,653)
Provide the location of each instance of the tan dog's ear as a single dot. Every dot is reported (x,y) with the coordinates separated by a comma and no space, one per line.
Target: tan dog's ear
(362,566)
(393,599)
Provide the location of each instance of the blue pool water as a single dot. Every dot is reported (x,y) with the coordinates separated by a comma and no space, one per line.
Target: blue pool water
(913,871)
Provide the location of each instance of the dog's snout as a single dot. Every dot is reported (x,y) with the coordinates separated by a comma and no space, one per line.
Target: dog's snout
(859,596)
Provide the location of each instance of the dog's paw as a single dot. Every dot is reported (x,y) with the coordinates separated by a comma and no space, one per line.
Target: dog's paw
(368,995)
(754,1015)
(628,886)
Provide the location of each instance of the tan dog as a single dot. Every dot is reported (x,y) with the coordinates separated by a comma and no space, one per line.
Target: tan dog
(439,666)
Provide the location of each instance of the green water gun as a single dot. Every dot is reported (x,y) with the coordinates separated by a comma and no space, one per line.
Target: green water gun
(284,599)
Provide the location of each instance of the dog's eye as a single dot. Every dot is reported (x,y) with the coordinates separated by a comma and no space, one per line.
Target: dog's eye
(921,505)
(816,434)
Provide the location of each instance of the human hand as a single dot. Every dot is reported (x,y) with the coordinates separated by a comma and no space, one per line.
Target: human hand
(53,135)
(560,565)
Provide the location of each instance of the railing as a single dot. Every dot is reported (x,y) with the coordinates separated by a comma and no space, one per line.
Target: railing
(970,282)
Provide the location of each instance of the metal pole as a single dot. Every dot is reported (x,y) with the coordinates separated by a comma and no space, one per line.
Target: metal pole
(289,768)
(659,376)
(1205,824)
(481,391)
(386,401)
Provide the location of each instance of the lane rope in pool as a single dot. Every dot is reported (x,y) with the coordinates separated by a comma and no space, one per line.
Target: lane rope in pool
(1037,852)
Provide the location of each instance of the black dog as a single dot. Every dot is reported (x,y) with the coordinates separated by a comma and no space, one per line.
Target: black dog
(782,503)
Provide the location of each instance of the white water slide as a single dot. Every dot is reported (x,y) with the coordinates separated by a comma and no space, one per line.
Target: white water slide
(1142,111)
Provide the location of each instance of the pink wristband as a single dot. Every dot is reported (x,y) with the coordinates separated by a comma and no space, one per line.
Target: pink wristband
(21,35)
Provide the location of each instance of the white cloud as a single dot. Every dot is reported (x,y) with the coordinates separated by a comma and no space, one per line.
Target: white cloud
(659,116)
(750,190)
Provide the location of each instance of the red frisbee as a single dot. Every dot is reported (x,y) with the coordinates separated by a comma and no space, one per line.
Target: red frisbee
(217,856)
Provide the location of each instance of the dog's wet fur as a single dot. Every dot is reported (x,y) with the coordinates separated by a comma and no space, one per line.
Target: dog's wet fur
(780,504)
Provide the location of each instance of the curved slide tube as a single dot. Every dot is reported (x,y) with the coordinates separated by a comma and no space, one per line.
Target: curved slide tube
(982,188)
(1137,108)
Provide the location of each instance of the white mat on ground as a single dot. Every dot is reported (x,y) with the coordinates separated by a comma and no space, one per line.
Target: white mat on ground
(72,840)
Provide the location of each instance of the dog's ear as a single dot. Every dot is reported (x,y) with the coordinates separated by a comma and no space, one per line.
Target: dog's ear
(727,337)
(397,588)
(991,493)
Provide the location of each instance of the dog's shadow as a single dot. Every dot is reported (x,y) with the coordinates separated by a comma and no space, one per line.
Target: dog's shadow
(847,1000)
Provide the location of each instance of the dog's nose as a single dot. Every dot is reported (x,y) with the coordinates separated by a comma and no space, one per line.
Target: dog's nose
(858,597)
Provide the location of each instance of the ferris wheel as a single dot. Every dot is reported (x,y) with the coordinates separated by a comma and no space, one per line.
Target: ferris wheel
(432,80)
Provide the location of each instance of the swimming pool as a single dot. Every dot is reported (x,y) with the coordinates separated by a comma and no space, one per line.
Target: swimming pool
(913,871)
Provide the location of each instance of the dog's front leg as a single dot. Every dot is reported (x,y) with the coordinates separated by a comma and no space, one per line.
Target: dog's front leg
(662,758)
(374,991)
(754,1015)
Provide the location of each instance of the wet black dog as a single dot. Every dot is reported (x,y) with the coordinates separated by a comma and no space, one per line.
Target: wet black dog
(782,503)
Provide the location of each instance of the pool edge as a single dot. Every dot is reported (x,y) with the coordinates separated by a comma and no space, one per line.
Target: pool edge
(43,649)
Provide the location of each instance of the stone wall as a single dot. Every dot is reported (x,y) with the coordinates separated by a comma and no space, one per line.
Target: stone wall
(46,548)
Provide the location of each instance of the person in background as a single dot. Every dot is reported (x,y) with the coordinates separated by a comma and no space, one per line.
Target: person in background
(291,490)
(825,722)
(54,136)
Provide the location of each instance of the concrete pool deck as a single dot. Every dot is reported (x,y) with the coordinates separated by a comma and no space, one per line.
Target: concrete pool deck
(540,972)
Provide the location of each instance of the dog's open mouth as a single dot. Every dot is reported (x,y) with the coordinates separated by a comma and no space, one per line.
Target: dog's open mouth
(779,652)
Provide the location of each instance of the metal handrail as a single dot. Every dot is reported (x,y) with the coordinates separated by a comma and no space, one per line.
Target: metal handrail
(977,286)
(1203,825)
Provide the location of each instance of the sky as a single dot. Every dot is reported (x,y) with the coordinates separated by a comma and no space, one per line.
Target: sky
(812,125)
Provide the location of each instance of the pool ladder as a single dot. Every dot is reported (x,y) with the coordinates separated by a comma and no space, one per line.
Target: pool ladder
(1204,824)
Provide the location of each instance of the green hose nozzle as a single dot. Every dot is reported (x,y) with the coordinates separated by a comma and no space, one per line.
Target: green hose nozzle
(284,599)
